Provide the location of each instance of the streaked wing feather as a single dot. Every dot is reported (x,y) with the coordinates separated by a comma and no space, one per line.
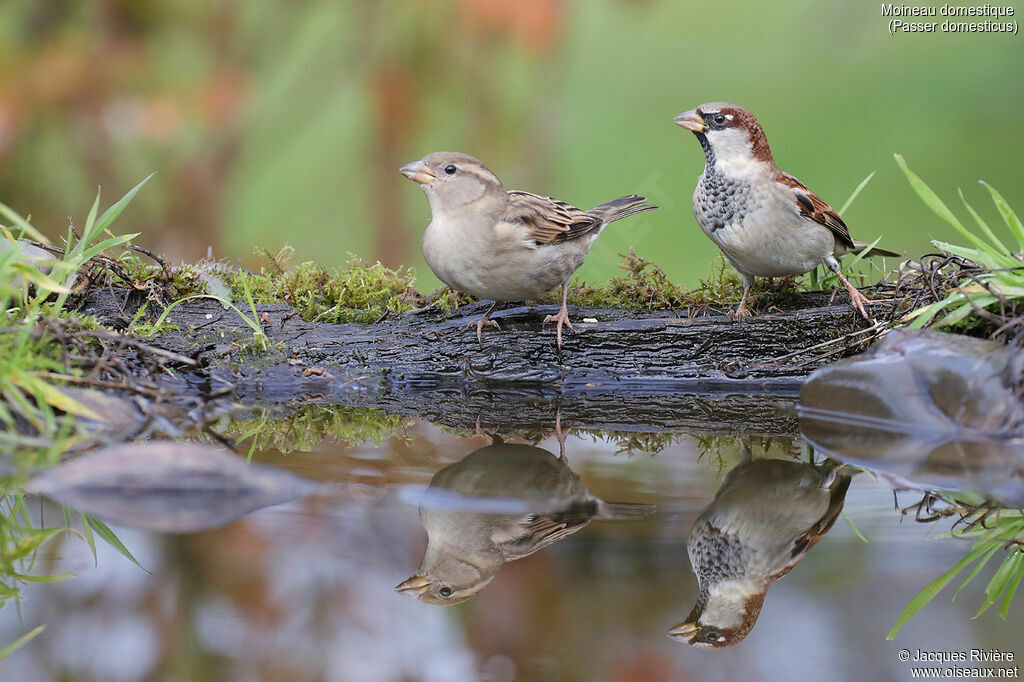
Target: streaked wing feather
(548,220)
(540,531)
(812,206)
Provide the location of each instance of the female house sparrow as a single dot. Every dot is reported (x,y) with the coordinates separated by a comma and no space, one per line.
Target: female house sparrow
(763,520)
(500,503)
(505,245)
(765,221)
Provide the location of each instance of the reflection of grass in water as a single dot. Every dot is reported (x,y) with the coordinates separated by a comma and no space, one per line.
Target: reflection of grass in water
(631,443)
(992,531)
(311,424)
(21,539)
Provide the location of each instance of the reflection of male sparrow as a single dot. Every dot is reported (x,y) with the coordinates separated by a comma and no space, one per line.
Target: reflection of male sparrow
(764,518)
(505,245)
(500,503)
(765,221)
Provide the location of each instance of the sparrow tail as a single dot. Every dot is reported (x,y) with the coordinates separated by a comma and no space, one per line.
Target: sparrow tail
(623,207)
(859,245)
(623,511)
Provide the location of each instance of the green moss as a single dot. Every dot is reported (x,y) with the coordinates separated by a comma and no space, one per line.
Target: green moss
(307,428)
(360,292)
(645,286)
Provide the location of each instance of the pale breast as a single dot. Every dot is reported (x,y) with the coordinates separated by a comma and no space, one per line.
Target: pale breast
(499,263)
(759,231)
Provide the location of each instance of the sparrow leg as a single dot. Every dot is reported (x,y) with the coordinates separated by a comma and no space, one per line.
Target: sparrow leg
(857,299)
(485,321)
(560,435)
(562,318)
(741,310)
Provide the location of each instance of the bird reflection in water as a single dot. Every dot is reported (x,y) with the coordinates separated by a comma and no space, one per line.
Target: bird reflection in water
(763,520)
(502,502)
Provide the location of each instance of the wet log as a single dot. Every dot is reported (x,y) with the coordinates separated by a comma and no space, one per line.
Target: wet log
(680,369)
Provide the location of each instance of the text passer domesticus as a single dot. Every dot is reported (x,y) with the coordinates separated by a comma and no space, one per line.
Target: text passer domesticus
(763,520)
(500,503)
(765,221)
(505,245)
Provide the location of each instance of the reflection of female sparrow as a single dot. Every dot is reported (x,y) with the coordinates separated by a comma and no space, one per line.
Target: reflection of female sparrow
(764,518)
(505,245)
(471,534)
(765,221)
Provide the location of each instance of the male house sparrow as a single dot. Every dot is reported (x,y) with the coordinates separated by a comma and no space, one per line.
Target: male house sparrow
(763,520)
(500,503)
(505,245)
(765,221)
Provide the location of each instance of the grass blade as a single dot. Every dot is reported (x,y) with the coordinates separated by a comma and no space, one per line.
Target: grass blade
(932,589)
(1012,221)
(109,537)
(21,641)
(109,216)
(983,226)
(22,224)
(853,196)
(932,201)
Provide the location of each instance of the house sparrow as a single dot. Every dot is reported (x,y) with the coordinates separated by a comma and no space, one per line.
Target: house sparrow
(500,503)
(505,245)
(765,221)
(763,520)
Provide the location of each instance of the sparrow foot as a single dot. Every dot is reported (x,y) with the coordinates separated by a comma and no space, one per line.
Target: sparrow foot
(858,301)
(480,324)
(740,312)
(562,319)
(560,435)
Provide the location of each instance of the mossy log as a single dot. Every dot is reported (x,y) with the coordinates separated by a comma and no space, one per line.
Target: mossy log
(671,370)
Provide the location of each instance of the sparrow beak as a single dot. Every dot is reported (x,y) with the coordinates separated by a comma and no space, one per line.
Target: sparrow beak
(684,632)
(417,585)
(691,121)
(417,171)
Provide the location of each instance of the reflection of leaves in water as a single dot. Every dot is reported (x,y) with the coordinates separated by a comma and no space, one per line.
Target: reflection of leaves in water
(992,529)
(311,424)
(20,541)
(631,443)
(721,452)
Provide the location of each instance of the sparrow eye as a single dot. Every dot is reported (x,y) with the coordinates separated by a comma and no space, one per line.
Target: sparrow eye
(719,119)
(446,591)
(450,170)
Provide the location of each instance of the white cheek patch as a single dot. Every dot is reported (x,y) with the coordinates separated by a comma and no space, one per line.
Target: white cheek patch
(732,151)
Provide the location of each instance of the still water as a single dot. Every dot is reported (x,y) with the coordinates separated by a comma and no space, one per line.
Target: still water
(515,558)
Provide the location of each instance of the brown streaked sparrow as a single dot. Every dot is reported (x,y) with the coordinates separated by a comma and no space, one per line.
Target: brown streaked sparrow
(505,245)
(765,221)
(500,503)
(763,520)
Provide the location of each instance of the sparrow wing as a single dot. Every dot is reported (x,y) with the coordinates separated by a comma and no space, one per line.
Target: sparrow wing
(542,530)
(812,206)
(808,539)
(549,220)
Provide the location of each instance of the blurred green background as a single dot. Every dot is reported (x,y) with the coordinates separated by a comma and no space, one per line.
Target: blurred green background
(285,121)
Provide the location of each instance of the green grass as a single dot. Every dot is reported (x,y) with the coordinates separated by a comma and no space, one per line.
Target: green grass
(37,419)
(999,533)
(993,292)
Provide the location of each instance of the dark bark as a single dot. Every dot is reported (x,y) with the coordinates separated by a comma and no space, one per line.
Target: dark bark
(666,370)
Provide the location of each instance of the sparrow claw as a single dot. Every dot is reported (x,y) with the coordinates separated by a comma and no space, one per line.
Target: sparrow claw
(562,318)
(480,324)
(858,301)
(740,312)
